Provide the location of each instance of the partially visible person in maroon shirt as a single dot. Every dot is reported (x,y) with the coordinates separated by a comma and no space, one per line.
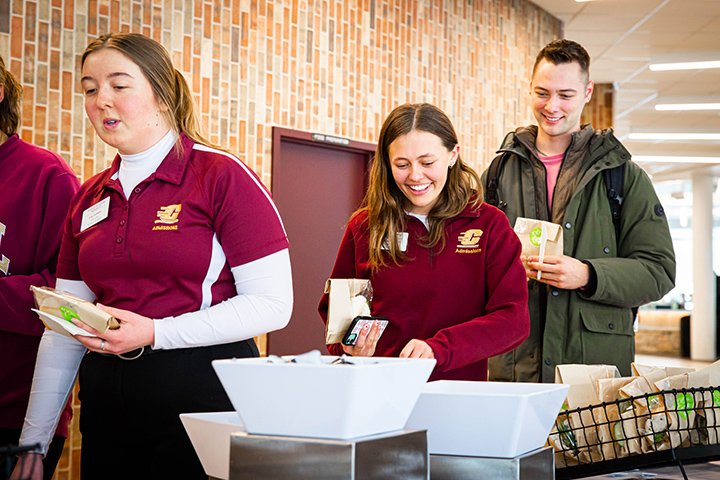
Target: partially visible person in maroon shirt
(444,266)
(36,187)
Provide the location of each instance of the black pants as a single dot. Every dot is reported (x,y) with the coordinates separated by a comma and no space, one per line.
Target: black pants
(129,415)
(11,436)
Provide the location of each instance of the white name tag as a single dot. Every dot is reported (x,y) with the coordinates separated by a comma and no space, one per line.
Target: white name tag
(95,214)
(402,241)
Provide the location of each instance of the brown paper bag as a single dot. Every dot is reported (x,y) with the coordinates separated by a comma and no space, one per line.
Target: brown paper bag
(65,307)
(616,426)
(539,238)
(349,297)
(582,393)
(652,421)
(680,407)
(708,408)
(563,439)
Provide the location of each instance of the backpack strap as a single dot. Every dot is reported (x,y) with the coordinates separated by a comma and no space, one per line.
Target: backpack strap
(493,179)
(614,182)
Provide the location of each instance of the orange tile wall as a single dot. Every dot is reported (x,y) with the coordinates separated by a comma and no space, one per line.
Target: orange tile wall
(333,67)
(599,112)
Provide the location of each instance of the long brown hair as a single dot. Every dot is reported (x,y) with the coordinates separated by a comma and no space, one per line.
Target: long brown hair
(10,104)
(384,202)
(168,84)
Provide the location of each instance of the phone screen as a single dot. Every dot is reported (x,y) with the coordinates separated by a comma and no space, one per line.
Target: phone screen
(357,325)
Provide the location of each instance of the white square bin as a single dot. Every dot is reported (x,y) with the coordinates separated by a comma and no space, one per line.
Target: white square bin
(210,436)
(374,396)
(487,419)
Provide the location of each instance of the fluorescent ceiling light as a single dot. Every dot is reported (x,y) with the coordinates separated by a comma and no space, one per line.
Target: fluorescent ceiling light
(687,106)
(674,136)
(663,67)
(674,159)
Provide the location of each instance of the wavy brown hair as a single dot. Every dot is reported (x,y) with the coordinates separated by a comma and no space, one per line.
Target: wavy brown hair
(385,203)
(168,84)
(10,104)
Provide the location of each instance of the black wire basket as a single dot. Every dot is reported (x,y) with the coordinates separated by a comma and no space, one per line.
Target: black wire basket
(654,429)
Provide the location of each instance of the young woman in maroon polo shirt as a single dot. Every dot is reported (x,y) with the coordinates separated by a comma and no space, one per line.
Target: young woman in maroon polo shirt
(179,241)
(44,185)
(444,266)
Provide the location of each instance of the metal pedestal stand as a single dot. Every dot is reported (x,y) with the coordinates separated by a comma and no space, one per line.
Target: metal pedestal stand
(398,455)
(536,465)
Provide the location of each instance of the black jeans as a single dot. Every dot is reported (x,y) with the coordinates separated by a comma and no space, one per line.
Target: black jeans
(129,415)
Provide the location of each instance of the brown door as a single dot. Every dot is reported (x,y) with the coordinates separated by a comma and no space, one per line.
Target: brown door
(317,182)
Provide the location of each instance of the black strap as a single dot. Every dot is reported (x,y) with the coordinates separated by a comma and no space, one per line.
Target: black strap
(614,182)
(493,179)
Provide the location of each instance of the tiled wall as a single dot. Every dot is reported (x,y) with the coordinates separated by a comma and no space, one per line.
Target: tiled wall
(335,67)
(329,66)
(599,112)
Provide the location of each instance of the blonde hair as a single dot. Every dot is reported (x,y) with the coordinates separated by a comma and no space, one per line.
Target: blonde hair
(168,84)
(384,202)
(10,104)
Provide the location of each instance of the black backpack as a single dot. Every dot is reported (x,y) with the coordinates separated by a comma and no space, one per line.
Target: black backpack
(614,182)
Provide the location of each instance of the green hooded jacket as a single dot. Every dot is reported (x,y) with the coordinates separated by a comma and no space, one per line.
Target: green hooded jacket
(590,327)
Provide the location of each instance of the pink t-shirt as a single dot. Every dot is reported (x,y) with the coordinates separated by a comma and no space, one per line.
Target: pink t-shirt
(552,168)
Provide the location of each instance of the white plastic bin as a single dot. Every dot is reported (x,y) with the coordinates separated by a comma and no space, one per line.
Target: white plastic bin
(210,436)
(323,400)
(487,419)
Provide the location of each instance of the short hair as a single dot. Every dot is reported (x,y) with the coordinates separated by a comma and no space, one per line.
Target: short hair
(564,51)
(10,105)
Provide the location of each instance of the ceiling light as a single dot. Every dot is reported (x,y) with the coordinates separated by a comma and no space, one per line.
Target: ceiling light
(674,136)
(674,159)
(687,106)
(663,67)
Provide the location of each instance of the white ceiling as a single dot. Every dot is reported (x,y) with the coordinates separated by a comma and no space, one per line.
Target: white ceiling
(623,37)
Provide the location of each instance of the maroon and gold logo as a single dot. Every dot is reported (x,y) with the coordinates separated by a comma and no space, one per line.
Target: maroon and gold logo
(468,241)
(168,217)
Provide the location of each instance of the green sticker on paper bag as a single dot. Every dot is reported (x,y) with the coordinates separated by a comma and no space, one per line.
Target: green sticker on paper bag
(68,313)
(535,235)
(684,402)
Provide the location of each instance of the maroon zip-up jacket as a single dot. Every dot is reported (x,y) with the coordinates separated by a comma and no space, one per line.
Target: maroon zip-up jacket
(468,301)
(36,187)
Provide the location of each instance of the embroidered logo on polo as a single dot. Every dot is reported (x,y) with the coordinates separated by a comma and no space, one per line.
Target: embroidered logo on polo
(468,241)
(4,261)
(168,217)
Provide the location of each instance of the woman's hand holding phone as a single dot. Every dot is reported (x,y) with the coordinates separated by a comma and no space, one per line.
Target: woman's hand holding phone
(366,341)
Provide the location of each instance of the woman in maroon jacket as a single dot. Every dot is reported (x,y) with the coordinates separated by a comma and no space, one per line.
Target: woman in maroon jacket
(36,187)
(444,267)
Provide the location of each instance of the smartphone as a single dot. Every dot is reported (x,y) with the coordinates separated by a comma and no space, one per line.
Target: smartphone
(357,325)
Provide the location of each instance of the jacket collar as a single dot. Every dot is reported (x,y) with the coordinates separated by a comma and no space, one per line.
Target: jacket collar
(597,142)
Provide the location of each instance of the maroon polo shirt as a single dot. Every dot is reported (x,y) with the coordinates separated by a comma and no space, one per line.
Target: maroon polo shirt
(36,188)
(468,301)
(169,248)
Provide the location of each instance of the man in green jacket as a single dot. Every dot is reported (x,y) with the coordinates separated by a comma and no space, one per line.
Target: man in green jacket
(581,309)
